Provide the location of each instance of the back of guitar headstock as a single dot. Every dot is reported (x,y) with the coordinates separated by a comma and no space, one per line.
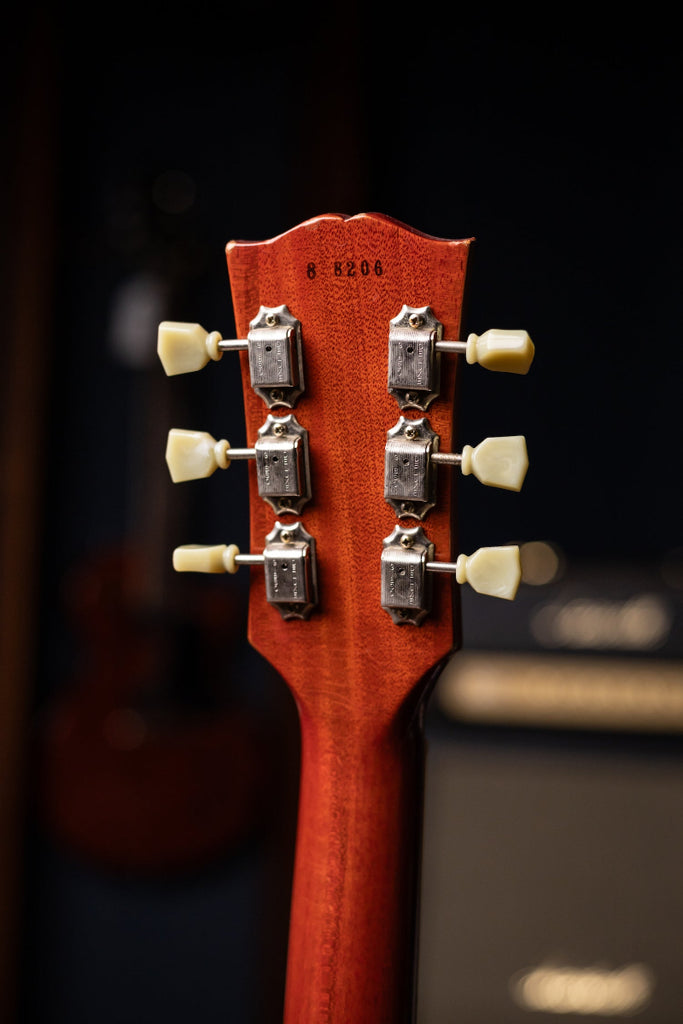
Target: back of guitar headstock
(349,381)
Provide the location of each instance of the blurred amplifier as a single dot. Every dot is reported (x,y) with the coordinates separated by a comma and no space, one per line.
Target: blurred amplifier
(554,803)
(595,647)
(551,875)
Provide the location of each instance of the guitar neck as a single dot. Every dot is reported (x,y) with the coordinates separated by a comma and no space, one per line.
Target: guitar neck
(353,923)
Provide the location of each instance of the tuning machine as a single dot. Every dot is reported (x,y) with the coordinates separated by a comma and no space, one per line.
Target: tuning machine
(273,345)
(408,562)
(416,344)
(280,453)
(412,452)
(288,560)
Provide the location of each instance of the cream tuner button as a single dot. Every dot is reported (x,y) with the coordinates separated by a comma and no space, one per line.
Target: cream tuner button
(192,454)
(203,558)
(497,462)
(493,571)
(507,351)
(184,348)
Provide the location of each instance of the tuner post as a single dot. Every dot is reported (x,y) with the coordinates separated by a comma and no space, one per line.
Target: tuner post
(407,565)
(281,454)
(412,450)
(288,561)
(416,344)
(273,345)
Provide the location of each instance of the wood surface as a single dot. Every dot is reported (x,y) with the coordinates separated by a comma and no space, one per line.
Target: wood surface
(359,680)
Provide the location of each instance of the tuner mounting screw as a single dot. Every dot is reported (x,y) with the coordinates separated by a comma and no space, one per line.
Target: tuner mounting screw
(408,507)
(286,537)
(276,395)
(411,397)
(416,320)
(406,541)
(410,433)
(279,429)
(271,320)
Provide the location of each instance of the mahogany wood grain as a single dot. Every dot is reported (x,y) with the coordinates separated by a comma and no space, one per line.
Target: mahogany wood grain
(359,680)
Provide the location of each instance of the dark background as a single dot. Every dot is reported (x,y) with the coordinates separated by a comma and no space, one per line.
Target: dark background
(150,142)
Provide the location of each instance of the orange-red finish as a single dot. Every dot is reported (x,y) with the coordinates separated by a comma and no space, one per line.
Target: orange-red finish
(358,679)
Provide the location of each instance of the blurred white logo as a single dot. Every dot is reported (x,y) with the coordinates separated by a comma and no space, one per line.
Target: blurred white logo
(600,992)
(640,623)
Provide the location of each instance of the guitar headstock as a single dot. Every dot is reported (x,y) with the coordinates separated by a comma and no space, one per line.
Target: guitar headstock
(349,381)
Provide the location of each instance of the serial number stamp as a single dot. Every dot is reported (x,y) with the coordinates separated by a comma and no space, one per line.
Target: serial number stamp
(345,268)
